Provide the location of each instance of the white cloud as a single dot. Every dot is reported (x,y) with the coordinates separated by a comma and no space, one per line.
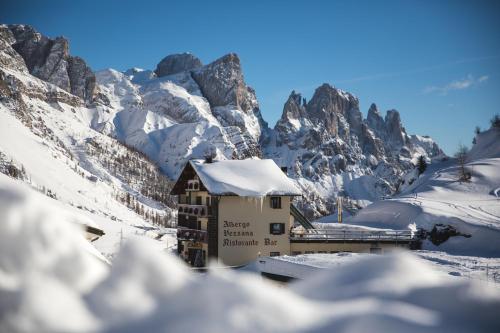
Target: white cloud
(462,84)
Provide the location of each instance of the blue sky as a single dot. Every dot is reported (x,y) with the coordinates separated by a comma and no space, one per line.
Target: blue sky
(437,62)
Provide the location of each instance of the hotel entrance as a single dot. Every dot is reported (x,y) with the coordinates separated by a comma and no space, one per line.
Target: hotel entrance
(196,257)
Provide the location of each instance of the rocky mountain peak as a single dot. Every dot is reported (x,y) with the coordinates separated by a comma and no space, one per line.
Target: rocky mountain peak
(334,108)
(373,110)
(375,120)
(176,63)
(395,130)
(294,107)
(49,60)
(222,83)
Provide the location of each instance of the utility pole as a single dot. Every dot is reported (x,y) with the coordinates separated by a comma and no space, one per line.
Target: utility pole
(339,209)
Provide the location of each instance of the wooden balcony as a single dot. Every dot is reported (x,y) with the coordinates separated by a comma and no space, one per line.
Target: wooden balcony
(193,210)
(192,235)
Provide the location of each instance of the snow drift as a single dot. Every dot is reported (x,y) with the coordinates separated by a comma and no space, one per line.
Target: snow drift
(49,282)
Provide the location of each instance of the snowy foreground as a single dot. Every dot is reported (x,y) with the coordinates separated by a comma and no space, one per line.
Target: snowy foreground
(51,281)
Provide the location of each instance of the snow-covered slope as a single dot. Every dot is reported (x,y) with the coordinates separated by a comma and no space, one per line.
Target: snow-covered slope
(77,180)
(438,197)
(47,141)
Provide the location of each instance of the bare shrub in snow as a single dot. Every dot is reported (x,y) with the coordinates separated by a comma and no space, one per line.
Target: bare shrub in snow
(461,156)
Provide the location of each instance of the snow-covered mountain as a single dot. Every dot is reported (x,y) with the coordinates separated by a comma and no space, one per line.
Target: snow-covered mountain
(331,150)
(184,109)
(182,115)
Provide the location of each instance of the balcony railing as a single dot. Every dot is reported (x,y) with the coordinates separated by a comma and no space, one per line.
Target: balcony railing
(353,235)
(192,235)
(193,210)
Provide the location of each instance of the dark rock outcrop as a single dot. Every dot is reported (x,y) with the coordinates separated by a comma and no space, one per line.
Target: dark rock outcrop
(334,108)
(294,113)
(375,121)
(176,63)
(396,133)
(222,84)
(82,79)
(370,143)
(440,233)
(49,60)
(9,58)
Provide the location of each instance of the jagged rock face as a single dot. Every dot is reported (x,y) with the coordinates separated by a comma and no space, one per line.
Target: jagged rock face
(294,115)
(390,130)
(233,102)
(9,58)
(375,120)
(222,83)
(295,107)
(176,63)
(396,133)
(82,79)
(333,108)
(49,60)
(370,143)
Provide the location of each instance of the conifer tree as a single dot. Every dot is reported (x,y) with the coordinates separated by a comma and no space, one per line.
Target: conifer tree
(422,165)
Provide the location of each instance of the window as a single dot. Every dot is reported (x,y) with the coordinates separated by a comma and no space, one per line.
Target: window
(207,199)
(274,254)
(198,200)
(277,228)
(322,252)
(276,202)
(296,253)
(309,252)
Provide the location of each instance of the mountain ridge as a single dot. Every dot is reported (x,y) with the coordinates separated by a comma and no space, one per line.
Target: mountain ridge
(185,110)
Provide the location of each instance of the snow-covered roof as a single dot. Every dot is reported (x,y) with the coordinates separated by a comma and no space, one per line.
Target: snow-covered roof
(247,178)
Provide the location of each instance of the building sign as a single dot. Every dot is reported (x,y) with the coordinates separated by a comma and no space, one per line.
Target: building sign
(232,229)
(270,242)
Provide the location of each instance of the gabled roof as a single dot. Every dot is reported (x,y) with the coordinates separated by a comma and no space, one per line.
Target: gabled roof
(246,178)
